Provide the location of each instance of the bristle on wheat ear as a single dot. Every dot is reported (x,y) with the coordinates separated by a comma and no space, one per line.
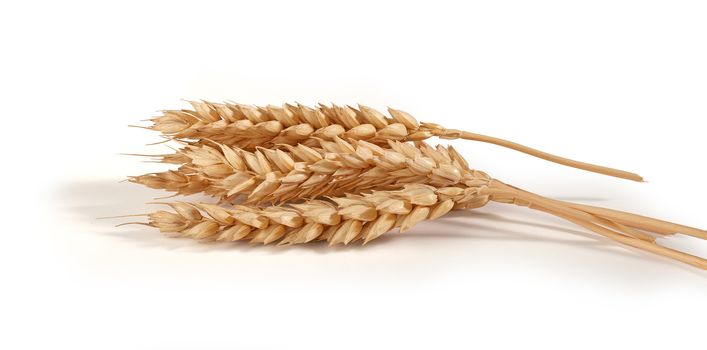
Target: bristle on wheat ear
(248,127)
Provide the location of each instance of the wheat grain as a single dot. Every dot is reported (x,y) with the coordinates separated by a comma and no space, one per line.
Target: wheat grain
(248,127)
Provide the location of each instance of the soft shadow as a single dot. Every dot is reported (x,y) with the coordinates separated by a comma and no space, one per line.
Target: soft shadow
(89,201)
(581,199)
(594,241)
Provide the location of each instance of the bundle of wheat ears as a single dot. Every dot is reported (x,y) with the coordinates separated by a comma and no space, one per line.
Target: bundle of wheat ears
(296,174)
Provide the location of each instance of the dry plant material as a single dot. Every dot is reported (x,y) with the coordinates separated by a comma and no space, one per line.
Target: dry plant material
(248,127)
(302,172)
(296,174)
(337,220)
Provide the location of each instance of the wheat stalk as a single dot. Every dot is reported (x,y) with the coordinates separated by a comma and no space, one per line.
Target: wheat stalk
(303,172)
(248,127)
(366,217)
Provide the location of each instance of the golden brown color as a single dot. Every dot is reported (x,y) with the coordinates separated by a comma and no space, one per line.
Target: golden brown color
(296,174)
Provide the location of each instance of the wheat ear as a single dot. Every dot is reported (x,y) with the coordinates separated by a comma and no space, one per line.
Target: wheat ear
(368,216)
(248,127)
(341,220)
(303,172)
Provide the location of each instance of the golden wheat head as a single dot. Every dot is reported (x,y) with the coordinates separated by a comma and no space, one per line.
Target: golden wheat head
(248,127)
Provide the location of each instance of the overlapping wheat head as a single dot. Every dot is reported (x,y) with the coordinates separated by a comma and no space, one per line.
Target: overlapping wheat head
(294,174)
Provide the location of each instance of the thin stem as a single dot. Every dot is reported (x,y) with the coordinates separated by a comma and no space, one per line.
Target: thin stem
(547,156)
(629,219)
(641,222)
(626,229)
(595,219)
(641,244)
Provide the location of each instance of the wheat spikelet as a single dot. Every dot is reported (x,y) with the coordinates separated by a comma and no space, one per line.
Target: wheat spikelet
(248,127)
(302,172)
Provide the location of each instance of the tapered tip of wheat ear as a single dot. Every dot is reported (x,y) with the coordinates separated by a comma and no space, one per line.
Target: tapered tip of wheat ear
(248,127)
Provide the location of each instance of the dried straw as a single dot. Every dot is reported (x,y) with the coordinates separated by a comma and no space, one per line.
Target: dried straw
(248,127)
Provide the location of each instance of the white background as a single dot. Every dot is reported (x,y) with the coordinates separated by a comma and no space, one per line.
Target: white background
(619,83)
